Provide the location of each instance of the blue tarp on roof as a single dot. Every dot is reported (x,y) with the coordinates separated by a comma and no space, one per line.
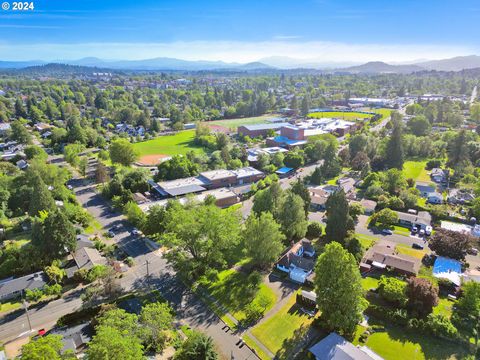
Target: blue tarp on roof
(284,170)
(446,265)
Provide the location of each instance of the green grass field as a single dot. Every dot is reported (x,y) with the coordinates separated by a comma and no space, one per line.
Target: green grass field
(179,143)
(339,114)
(235,123)
(286,324)
(416,170)
(233,290)
(369,283)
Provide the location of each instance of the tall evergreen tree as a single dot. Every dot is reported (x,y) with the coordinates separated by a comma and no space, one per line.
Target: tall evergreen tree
(331,166)
(394,152)
(339,290)
(291,216)
(339,221)
(42,198)
(299,188)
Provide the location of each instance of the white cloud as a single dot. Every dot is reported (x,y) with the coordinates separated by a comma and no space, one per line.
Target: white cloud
(236,51)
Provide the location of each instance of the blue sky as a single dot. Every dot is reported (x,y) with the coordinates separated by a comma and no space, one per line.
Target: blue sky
(243,30)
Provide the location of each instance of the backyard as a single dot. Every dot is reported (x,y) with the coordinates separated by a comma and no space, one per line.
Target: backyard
(416,170)
(395,343)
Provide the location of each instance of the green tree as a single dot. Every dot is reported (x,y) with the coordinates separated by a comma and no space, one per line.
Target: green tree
(422,296)
(393,290)
(394,152)
(339,221)
(262,239)
(134,214)
(55,235)
(177,167)
(20,132)
(299,188)
(331,166)
(156,321)
(466,312)
(338,288)
(55,273)
(123,152)
(268,199)
(385,217)
(198,346)
(291,216)
(419,125)
(111,343)
(45,348)
(41,198)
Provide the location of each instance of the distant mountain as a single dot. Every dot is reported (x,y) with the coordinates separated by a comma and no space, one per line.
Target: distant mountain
(19,64)
(454,64)
(54,69)
(378,67)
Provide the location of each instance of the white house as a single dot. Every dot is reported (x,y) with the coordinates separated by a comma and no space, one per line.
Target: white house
(435,198)
(297,261)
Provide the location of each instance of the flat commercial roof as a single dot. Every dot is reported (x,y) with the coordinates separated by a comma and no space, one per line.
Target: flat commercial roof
(246,171)
(217,174)
(183,190)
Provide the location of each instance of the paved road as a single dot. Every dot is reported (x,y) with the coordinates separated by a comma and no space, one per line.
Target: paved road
(189,309)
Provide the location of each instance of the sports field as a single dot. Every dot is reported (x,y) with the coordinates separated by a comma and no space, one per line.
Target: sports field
(235,123)
(168,145)
(349,115)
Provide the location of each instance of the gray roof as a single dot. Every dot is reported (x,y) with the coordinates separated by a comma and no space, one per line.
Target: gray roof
(86,258)
(74,337)
(10,287)
(184,190)
(423,217)
(335,347)
(272,126)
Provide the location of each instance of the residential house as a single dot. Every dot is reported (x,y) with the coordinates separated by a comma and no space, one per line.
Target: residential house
(348,186)
(335,347)
(438,175)
(75,338)
(383,255)
(435,198)
(11,288)
(41,127)
(369,206)
(466,229)
(4,128)
(85,258)
(421,220)
(318,198)
(298,262)
(425,188)
(22,164)
(83,240)
(460,196)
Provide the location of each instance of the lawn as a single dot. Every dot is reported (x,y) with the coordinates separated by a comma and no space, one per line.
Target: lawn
(234,291)
(10,306)
(400,230)
(369,283)
(407,250)
(416,170)
(179,143)
(397,344)
(444,307)
(94,227)
(286,324)
(339,114)
(235,123)
(366,240)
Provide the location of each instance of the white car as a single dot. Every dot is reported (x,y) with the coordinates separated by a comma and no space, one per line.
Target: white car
(421,232)
(136,232)
(428,230)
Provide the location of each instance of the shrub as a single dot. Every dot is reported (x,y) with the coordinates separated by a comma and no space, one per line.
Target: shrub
(393,290)
(53,290)
(314,230)
(96,272)
(33,295)
(440,325)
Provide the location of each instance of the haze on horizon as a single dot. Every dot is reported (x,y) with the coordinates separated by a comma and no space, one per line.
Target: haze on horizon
(322,31)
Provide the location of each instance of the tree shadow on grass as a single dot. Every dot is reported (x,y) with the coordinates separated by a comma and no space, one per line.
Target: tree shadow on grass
(295,347)
(432,347)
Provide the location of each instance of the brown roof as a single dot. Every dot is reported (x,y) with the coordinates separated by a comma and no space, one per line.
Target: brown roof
(291,257)
(318,196)
(385,253)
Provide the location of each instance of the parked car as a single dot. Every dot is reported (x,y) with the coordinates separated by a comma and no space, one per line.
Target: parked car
(136,232)
(414,229)
(428,230)
(417,246)
(387,232)
(473,251)
(421,232)
(110,234)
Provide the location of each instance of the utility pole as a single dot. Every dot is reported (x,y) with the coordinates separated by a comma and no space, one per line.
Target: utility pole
(25,305)
(147,262)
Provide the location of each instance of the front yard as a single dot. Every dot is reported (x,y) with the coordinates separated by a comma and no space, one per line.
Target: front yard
(288,323)
(234,290)
(416,170)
